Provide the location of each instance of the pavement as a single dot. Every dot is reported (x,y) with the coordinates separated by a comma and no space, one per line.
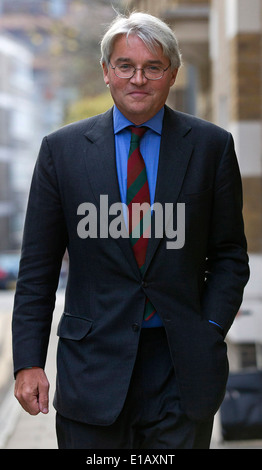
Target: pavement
(19,430)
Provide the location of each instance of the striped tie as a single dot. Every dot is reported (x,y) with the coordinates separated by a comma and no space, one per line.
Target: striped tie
(137,194)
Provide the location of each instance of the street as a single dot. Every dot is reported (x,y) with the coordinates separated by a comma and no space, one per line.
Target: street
(6,305)
(19,430)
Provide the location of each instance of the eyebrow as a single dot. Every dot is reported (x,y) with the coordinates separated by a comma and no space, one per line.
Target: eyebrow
(123,59)
(127,59)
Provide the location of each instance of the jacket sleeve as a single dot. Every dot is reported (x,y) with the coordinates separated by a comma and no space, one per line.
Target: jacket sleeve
(227,262)
(43,247)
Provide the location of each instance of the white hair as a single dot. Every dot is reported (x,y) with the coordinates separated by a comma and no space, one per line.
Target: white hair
(151,30)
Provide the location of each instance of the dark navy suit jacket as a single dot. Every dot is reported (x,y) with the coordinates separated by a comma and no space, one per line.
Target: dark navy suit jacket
(105,296)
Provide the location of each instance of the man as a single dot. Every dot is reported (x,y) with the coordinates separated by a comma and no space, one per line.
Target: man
(126,379)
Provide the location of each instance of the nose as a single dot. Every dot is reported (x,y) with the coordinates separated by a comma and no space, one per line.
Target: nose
(138,77)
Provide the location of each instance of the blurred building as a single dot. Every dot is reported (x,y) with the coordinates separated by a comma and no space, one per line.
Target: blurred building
(35,7)
(29,107)
(221,81)
(17,116)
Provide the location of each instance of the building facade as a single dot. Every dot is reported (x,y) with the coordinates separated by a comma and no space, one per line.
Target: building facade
(17,117)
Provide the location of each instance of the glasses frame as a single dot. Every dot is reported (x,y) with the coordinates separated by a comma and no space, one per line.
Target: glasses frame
(143,71)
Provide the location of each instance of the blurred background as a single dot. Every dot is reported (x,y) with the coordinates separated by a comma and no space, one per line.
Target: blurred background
(50,75)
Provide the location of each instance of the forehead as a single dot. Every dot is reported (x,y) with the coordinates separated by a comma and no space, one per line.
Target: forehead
(133,48)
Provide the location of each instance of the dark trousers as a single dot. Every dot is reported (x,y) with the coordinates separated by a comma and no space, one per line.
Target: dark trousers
(151,417)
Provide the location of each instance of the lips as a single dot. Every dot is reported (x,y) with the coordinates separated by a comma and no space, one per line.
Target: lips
(138,94)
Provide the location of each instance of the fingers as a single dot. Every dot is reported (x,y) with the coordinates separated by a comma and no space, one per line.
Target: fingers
(31,390)
(43,401)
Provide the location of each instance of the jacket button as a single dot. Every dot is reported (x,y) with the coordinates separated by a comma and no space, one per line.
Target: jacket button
(135,327)
(144,284)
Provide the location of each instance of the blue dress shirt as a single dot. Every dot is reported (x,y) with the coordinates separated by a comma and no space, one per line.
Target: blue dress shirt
(150,147)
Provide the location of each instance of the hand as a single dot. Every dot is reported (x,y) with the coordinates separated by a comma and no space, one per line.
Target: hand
(31,390)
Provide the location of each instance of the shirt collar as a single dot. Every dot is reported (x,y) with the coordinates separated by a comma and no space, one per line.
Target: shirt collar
(121,122)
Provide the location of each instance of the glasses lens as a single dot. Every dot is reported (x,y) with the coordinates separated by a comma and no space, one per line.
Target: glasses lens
(125,71)
(153,72)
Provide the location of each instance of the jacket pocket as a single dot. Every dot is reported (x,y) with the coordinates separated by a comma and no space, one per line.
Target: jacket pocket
(72,327)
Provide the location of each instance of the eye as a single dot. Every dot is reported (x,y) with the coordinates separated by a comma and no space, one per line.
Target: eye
(125,67)
(153,69)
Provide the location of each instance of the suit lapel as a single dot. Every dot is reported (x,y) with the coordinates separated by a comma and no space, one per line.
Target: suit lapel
(101,167)
(101,164)
(175,154)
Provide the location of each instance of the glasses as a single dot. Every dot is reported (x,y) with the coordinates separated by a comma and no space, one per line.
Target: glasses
(150,72)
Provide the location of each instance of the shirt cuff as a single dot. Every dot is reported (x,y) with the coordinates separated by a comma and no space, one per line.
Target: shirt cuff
(218,327)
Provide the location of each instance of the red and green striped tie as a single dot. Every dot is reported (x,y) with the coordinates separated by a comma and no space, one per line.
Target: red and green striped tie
(137,194)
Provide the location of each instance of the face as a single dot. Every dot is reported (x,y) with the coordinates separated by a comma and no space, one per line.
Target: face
(138,98)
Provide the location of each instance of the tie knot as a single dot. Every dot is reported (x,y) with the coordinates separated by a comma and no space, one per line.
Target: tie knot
(137,132)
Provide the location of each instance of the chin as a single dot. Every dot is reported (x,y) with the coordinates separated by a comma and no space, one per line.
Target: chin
(140,109)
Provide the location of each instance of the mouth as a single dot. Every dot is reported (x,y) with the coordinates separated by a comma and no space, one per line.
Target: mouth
(138,94)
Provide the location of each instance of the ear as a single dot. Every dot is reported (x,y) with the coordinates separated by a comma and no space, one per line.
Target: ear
(173,77)
(105,71)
